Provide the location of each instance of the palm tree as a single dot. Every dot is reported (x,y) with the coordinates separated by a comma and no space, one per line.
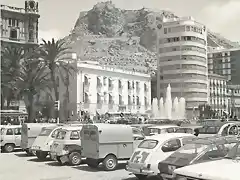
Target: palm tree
(10,67)
(32,81)
(54,55)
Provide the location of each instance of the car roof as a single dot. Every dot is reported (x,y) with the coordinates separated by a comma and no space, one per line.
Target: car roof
(166,136)
(217,140)
(163,126)
(70,128)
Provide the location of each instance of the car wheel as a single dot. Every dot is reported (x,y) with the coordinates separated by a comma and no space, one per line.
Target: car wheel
(140,176)
(9,148)
(110,163)
(75,158)
(41,155)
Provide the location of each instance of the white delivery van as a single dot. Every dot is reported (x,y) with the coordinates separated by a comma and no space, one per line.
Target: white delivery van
(144,161)
(10,137)
(44,140)
(224,169)
(108,143)
(30,131)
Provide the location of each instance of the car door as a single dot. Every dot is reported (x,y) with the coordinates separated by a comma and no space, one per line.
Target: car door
(17,136)
(9,137)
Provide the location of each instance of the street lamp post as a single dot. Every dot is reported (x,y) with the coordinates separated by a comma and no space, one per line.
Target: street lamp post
(159,26)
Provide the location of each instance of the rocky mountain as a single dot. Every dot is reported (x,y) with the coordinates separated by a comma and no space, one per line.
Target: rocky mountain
(123,38)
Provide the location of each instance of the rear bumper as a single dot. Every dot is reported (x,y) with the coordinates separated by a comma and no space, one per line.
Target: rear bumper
(166,176)
(140,170)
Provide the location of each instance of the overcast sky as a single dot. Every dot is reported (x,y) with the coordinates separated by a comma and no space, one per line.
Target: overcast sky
(59,16)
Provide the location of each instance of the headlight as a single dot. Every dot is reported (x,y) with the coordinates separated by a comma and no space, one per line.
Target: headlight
(179,177)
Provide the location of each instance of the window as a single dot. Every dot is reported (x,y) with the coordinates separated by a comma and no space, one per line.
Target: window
(13,34)
(86,134)
(45,132)
(9,132)
(148,144)
(9,21)
(74,135)
(54,134)
(171,145)
(104,81)
(170,130)
(165,30)
(93,135)
(17,131)
(61,134)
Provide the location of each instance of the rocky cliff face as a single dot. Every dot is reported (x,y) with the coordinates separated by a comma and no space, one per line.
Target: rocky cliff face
(113,36)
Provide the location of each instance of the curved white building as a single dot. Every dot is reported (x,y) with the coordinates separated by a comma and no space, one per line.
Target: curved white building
(182,61)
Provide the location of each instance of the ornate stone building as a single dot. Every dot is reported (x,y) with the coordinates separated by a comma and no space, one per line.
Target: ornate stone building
(19,26)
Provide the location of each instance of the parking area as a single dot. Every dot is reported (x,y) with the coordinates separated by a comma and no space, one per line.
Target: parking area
(19,166)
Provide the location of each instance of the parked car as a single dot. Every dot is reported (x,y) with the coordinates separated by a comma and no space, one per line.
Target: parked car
(66,148)
(30,131)
(198,151)
(44,140)
(223,169)
(189,128)
(161,129)
(144,160)
(10,138)
(144,128)
(108,143)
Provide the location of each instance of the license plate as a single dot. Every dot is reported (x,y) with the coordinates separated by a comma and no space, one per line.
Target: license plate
(64,159)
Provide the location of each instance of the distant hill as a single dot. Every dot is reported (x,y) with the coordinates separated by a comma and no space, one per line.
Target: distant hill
(124,38)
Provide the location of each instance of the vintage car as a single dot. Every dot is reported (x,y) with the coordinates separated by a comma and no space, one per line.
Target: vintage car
(109,143)
(144,160)
(188,128)
(144,127)
(161,129)
(66,148)
(223,169)
(29,133)
(10,137)
(197,151)
(44,140)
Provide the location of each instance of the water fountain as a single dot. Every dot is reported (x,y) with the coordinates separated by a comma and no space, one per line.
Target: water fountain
(168,110)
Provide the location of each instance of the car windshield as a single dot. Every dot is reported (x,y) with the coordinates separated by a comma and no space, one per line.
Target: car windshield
(192,149)
(45,132)
(148,144)
(61,134)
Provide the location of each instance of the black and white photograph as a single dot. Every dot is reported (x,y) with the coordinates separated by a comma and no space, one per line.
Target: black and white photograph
(120,90)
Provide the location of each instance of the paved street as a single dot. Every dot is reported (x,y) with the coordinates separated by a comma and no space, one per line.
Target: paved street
(18,166)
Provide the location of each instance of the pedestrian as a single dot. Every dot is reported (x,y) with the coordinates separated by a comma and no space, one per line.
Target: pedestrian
(196,132)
